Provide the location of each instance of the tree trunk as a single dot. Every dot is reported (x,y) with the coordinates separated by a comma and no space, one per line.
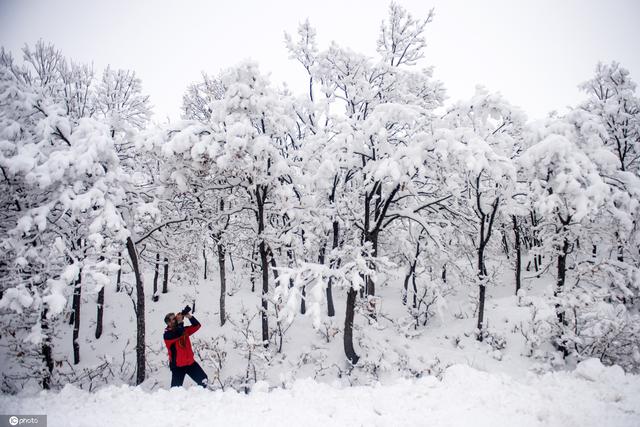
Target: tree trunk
(100,308)
(415,287)
(260,195)
(481,274)
(348,327)
(77,293)
(156,297)
(46,351)
(165,276)
(274,267)
(303,305)
(562,273)
(335,263)
(537,258)
(481,297)
(252,278)
(486,225)
(370,284)
(100,313)
(140,313)
(119,276)
(223,282)
(405,289)
(505,244)
(265,291)
(516,233)
(412,274)
(204,256)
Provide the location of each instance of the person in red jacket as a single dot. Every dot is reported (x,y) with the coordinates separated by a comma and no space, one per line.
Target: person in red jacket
(181,360)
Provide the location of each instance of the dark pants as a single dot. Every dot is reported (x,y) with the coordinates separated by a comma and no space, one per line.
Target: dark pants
(194,370)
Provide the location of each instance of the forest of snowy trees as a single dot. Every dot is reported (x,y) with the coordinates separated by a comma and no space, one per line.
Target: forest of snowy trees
(315,200)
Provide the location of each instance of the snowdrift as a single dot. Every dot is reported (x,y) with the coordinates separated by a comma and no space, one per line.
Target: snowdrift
(591,395)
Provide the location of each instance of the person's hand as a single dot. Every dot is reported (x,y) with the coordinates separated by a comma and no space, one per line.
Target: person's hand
(179,317)
(188,316)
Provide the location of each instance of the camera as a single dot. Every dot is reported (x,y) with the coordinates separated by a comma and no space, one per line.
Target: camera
(186,310)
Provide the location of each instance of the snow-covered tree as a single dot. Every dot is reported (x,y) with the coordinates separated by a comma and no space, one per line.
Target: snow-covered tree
(567,189)
(244,148)
(61,191)
(380,142)
(483,135)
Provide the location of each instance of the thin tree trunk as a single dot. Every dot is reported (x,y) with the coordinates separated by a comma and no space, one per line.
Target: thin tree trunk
(516,233)
(156,297)
(165,276)
(119,275)
(204,256)
(77,294)
(482,272)
(331,311)
(348,327)
(100,313)
(505,244)
(335,226)
(411,273)
(405,289)
(274,267)
(481,268)
(536,243)
(321,259)
(46,351)
(486,225)
(140,313)
(100,310)
(415,287)
(481,297)
(223,282)
(265,291)
(562,273)
(370,284)
(252,278)
(260,195)
(335,263)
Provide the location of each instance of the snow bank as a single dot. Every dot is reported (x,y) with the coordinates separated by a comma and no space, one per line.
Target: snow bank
(464,396)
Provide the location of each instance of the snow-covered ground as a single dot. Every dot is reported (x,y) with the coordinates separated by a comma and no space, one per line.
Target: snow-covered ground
(592,395)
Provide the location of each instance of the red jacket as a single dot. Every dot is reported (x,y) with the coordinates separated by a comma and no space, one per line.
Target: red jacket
(179,345)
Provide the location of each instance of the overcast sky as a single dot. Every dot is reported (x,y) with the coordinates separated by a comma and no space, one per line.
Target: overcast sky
(533,52)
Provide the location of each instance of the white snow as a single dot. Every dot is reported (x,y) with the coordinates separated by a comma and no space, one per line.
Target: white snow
(465,396)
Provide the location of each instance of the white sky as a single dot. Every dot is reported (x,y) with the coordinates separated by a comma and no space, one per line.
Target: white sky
(534,52)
